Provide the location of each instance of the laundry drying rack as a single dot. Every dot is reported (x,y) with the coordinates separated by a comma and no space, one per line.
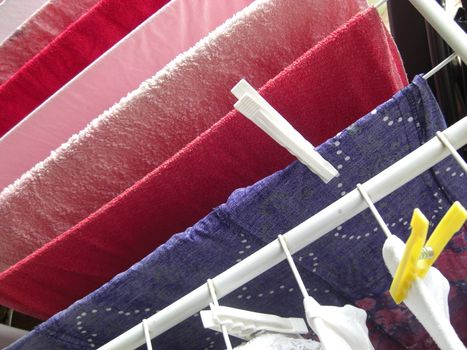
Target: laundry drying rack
(443,145)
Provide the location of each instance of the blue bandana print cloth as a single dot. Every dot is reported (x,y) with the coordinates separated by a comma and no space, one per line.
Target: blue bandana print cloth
(344,266)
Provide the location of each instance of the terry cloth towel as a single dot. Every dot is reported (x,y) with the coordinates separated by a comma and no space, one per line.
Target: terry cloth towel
(37,32)
(155,121)
(344,266)
(171,30)
(151,211)
(68,54)
(14,13)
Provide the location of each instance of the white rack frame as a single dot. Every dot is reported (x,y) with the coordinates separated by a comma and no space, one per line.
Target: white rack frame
(327,219)
(386,182)
(444,25)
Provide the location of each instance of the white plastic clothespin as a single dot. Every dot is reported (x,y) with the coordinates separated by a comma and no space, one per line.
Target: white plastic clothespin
(252,105)
(146,334)
(246,324)
(214,304)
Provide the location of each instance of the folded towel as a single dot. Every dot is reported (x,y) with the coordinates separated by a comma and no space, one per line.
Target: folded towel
(85,40)
(170,31)
(37,32)
(340,79)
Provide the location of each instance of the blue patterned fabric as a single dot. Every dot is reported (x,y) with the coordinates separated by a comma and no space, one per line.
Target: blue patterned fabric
(344,266)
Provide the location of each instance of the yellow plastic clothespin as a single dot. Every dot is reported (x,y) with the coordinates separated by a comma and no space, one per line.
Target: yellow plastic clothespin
(412,265)
(407,270)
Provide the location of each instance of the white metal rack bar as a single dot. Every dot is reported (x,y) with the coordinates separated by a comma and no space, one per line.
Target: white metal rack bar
(147,336)
(440,66)
(299,237)
(442,23)
(212,293)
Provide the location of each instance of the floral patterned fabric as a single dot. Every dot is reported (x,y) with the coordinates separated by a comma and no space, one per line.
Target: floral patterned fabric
(343,267)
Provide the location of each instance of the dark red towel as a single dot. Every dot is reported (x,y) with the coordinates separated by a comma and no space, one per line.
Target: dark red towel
(72,51)
(342,78)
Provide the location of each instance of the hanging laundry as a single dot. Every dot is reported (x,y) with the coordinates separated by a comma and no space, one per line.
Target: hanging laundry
(342,328)
(97,249)
(170,31)
(423,288)
(279,342)
(428,300)
(245,324)
(155,121)
(37,32)
(255,215)
(68,54)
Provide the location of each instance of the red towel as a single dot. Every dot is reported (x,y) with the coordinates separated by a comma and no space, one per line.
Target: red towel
(342,78)
(72,51)
(38,31)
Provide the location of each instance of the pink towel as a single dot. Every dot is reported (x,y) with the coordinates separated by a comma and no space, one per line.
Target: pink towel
(68,54)
(37,32)
(153,122)
(14,13)
(329,87)
(170,31)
